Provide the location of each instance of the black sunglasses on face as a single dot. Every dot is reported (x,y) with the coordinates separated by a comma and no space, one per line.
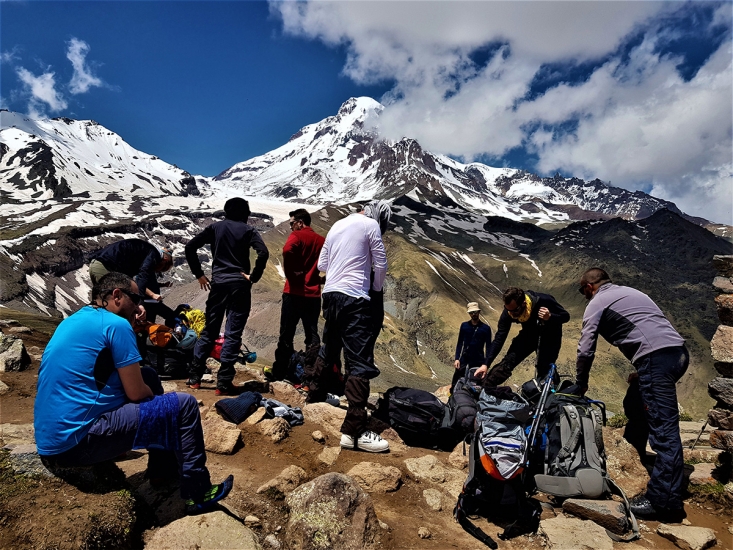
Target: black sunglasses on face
(518,308)
(582,288)
(136,298)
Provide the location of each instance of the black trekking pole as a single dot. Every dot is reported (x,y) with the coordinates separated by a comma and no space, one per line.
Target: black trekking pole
(538,414)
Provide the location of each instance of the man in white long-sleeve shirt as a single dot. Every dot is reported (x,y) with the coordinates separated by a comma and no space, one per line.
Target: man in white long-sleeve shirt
(352,251)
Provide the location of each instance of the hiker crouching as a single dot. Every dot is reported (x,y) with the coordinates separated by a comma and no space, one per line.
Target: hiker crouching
(632,322)
(541,318)
(93,404)
(230,288)
(353,249)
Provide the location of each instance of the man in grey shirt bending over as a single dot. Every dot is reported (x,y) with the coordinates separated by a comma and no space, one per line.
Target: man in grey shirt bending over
(631,321)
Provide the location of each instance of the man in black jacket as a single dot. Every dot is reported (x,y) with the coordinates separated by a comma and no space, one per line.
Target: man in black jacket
(541,318)
(230,288)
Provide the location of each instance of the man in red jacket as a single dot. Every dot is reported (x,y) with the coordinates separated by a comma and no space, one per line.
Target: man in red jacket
(302,292)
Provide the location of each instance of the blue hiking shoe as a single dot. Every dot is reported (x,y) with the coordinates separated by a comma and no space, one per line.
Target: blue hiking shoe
(211,497)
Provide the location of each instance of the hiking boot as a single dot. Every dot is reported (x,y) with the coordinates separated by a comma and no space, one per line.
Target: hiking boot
(194,383)
(332,400)
(229,389)
(368,441)
(642,508)
(210,498)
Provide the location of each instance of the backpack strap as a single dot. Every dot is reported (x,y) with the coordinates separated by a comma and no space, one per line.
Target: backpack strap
(469,527)
(571,412)
(635,534)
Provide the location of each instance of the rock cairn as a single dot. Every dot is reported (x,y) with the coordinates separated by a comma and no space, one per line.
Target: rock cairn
(721,387)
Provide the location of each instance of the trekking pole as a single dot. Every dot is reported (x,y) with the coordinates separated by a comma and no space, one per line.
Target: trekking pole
(692,447)
(538,413)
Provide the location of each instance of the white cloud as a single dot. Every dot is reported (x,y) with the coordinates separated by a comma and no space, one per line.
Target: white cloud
(82,79)
(639,124)
(42,90)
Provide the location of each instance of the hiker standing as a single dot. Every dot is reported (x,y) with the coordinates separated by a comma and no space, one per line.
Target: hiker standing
(230,288)
(353,249)
(541,318)
(143,261)
(93,403)
(631,321)
(302,293)
(474,337)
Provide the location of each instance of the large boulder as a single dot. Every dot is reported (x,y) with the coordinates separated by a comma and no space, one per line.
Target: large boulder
(563,533)
(208,531)
(375,478)
(688,537)
(623,464)
(721,418)
(721,346)
(332,511)
(722,439)
(286,393)
(721,389)
(724,304)
(13,356)
(17,434)
(606,513)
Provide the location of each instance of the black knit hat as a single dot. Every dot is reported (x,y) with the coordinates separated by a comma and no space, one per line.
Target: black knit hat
(237,409)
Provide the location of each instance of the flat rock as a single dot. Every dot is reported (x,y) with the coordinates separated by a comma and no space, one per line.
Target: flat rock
(4,388)
(721,389)
(205,532)
(723,284)
(276,429)
(286,393)
(256,416)
(459,457)
(623,464)
(20,330)
(220,436)
(606,513)
(703,474)
(563,533)
(328,417)
(5,323)
(13,356)
(329,455)
(724,305)
(721,346)
(721,418)
(434,499)
(703,454)
(285,481)
(17,434)
(169,386)
(332,511)
(687,537)
(723,264)
(429,468)
(375,478)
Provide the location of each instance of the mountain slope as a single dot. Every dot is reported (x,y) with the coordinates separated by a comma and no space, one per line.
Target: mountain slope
(63,158)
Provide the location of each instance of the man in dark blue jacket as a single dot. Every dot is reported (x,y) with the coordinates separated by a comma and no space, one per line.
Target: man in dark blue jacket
(230,288)
(541,319)
(474,337)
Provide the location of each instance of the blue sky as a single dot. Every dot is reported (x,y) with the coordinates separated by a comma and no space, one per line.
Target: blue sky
(635,93)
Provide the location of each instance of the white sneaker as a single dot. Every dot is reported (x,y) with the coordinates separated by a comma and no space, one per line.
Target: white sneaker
(368,441)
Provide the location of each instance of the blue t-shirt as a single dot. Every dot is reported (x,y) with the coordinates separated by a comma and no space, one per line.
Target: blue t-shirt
(78,379)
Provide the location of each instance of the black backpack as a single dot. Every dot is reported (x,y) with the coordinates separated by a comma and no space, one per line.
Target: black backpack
(574,462)
(416,415)
(463,404)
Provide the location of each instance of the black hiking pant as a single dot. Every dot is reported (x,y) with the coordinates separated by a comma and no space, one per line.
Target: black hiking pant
(544,339)
(349,328)
(295,309)
(233,300)
(659,371)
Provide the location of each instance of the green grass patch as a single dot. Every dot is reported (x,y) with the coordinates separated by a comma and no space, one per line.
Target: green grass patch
(618,421)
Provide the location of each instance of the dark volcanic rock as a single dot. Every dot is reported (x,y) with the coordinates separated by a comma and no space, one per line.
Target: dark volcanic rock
(721,389)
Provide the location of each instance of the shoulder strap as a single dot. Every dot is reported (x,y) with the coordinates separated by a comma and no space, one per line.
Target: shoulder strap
(635,534)
(575,431)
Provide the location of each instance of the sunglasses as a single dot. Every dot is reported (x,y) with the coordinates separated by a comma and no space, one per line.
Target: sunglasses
(136,298)
(582,288)
(520,307)
(292,223)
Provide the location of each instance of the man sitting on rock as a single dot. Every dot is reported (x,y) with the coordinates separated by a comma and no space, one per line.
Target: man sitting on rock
(92,403)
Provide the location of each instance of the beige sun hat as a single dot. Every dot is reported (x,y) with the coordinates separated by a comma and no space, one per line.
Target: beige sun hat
(472,306)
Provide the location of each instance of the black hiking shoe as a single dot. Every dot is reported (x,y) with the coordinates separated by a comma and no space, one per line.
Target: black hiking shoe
(210,498)
(642,508)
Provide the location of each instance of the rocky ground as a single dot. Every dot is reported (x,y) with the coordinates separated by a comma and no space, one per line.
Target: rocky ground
(295,488)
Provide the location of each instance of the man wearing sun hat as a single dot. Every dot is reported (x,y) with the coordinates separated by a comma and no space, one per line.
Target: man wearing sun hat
(473,338)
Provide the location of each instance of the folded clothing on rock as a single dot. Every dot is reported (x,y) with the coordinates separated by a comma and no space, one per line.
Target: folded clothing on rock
(237,409)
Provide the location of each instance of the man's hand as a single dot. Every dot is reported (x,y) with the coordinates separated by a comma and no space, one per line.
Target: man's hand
(132,382)
(204,282)
(245,276)
(141,316)
(457,364)
(156,297)
(481,371)
(544,313)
